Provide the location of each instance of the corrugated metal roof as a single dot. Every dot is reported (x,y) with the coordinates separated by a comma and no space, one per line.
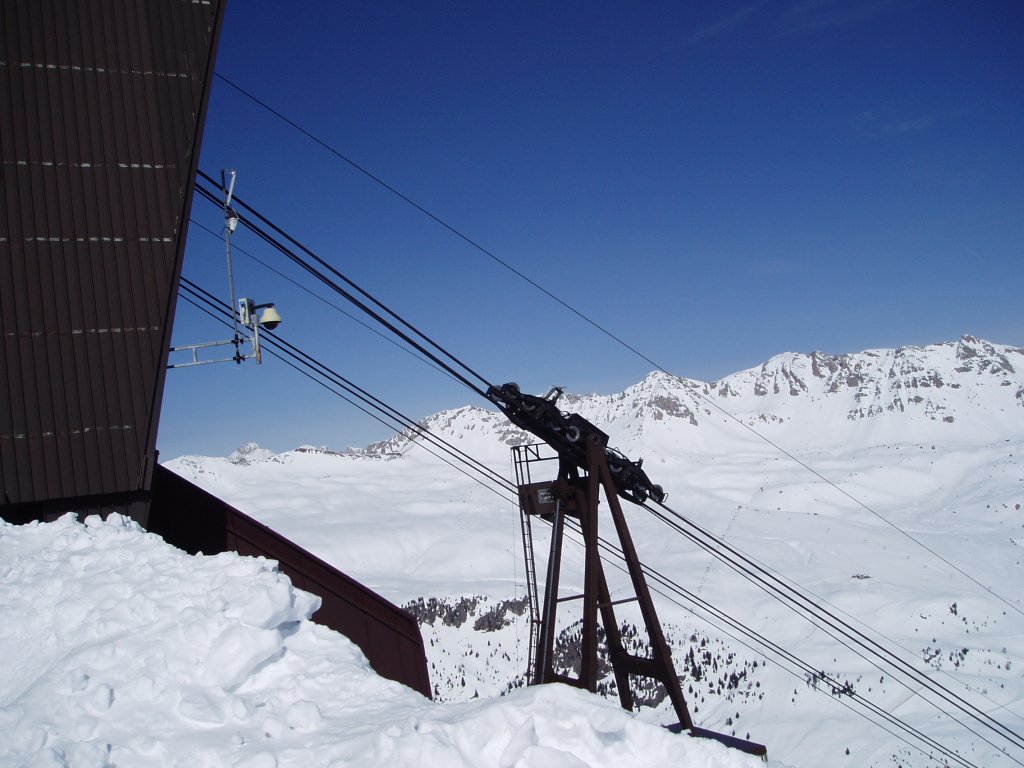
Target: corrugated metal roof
(101,106)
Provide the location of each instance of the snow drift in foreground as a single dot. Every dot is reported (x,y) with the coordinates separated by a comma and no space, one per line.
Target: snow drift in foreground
(119,650)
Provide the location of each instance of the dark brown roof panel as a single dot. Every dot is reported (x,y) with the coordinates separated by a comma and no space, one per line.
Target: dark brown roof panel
(101,104)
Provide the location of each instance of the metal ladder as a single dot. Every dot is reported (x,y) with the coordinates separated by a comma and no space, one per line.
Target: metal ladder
(522,456)
(531,591)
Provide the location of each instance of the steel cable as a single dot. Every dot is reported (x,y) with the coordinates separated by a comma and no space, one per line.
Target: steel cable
(328,281)
(768,581)
(583,316)
(343,292)
(314,369)
(399,421)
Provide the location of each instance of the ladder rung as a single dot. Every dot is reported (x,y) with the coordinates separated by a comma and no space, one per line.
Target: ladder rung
(618,602)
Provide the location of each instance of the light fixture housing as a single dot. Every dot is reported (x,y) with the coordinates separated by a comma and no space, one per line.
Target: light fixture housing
(270,318)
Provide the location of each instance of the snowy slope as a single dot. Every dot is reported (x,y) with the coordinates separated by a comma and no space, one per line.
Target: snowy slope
(913,449)
(118,650)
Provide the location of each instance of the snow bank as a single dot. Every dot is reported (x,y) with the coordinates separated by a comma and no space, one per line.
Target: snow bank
(119,650)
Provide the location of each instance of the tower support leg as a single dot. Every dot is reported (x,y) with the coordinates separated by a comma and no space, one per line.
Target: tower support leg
(579,497)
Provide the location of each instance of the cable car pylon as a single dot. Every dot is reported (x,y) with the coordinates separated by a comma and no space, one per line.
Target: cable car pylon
(587,471)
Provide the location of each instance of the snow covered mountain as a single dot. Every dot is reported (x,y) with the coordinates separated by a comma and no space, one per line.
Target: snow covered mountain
(896,502)
(811,399)
(978,380)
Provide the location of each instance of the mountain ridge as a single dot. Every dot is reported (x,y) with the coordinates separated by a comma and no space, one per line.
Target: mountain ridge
(971,379)
(969,389)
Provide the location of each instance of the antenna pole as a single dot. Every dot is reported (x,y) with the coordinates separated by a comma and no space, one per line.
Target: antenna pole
(230,223)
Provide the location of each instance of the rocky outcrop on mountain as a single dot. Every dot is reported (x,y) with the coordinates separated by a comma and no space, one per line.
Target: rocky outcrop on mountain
(934,382)
(251,453)
(459,424)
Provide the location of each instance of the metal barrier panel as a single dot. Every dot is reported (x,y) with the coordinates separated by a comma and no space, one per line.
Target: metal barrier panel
(188,517)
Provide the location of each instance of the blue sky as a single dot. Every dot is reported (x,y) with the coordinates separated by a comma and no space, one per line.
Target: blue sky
(715,183)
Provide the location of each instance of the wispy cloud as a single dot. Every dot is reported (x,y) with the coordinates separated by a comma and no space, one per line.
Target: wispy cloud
(805,16)
(815,15)
(724,26)
(871,123)
(879,121)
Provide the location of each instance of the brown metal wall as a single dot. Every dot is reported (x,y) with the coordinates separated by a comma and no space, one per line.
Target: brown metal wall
(101,109)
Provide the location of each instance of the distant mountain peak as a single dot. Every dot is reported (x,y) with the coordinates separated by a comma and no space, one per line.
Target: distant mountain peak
(982,356)
(251,453)
(911,380)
